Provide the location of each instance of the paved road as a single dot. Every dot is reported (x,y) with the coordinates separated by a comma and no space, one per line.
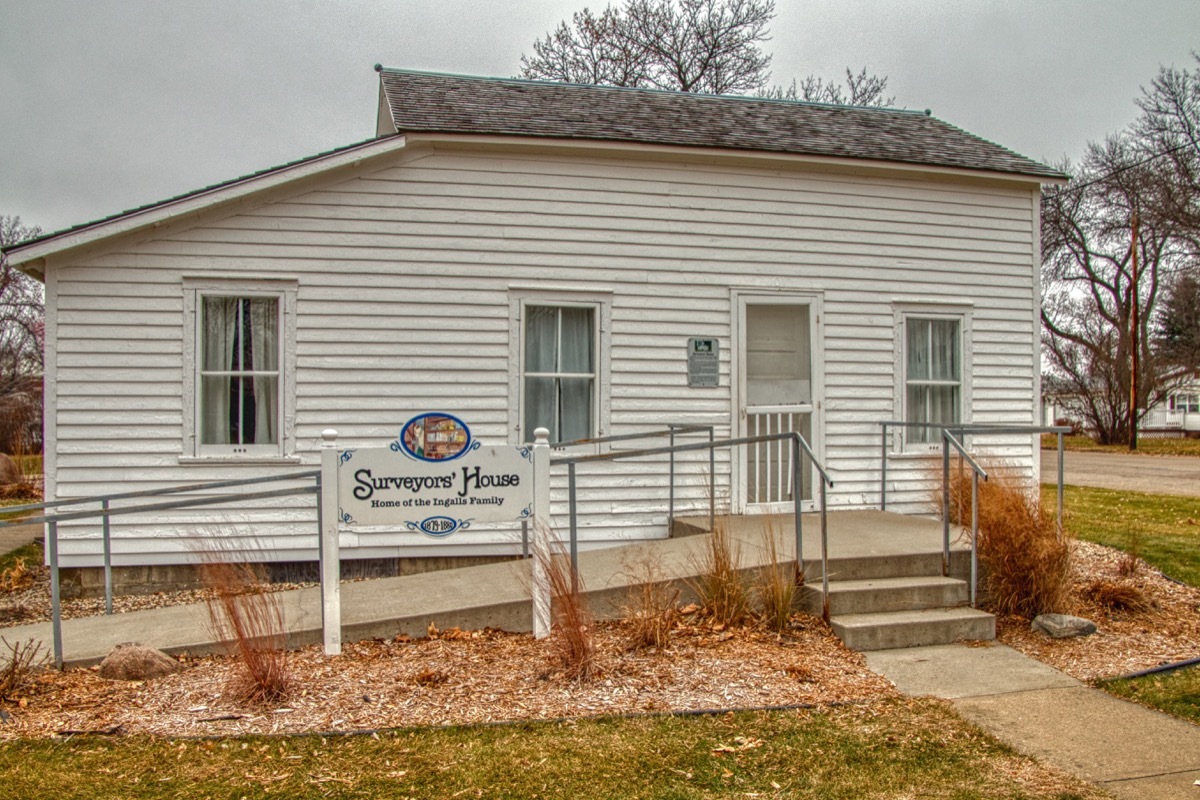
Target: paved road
(1155,474)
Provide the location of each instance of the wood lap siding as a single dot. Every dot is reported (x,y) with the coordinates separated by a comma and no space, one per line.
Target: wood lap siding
(403,307)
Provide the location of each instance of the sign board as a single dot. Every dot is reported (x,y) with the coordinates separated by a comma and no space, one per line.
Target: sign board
(704,362)
(434,479)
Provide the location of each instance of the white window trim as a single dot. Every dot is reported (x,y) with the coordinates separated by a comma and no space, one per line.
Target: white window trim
(902,312)
(194,291)
(601,303)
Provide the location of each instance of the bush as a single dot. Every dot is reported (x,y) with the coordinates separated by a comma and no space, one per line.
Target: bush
(1024,560)
(775,585)
(719,584)
(245,613)
(1117,596)
(571,617)
(652,605)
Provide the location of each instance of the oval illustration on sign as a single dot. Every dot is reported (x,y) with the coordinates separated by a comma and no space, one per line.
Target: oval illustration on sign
(435,437)
(438,526)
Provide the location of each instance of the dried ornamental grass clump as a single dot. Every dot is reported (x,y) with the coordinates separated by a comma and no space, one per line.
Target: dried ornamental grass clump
(573,625)
(652,604)
(1117,596)
(244,613)
(719,584)
(775,585)
(1023,557)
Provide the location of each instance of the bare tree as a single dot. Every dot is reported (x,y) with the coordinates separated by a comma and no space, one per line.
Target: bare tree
(1090,295)
(1168,132)
(860,89)
(707,46)
(22,329)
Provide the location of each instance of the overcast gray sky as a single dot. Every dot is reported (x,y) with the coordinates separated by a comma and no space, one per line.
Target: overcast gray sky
(110,104)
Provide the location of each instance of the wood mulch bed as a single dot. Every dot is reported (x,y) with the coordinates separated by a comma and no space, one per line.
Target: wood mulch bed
(491,676)
(1126,641)
(463,677)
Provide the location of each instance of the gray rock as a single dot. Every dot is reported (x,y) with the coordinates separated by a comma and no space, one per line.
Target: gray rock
(134,661)
(1063,626)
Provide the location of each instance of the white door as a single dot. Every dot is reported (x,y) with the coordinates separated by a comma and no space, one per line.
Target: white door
(777,394)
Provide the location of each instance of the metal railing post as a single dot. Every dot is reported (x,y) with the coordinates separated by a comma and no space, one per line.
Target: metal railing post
(55,593)
(824,557)
(574,528)
(712,481)
(671,487)
(108,591)
(883,453)
(1061,453)
(796,507)
(974,534)
(945,506)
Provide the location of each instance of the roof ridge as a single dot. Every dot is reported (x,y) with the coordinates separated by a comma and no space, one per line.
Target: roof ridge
(651,90)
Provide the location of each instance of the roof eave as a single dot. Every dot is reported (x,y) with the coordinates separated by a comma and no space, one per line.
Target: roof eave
(34,253)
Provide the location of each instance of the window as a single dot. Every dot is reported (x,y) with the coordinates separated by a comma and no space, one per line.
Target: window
(1188,403)
(933,356)
(239,373)
(559,380)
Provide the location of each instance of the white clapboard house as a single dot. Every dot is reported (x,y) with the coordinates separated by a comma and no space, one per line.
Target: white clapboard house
(520,254)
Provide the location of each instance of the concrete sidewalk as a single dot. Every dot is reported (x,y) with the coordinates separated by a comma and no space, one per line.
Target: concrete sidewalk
(1129,750)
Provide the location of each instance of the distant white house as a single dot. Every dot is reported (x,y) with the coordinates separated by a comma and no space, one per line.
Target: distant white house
(1177,416)
(520,254)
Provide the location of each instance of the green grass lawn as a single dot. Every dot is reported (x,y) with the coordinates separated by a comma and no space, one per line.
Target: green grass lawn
(894,749)
(1149,447)
(1162,529)
(1176,693)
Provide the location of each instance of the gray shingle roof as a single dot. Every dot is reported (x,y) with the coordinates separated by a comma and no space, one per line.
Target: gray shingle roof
(426,102)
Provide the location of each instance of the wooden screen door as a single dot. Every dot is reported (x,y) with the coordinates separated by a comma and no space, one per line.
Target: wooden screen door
(775,395)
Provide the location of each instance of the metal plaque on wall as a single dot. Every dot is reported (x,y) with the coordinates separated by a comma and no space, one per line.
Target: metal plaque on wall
(704,362)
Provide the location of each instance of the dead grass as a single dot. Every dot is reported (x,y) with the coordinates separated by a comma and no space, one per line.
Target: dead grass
(572,619)
(652,604)
(775,586)
(719,584)
(17,674)
(1118,595)
(1026,563)
(247,616)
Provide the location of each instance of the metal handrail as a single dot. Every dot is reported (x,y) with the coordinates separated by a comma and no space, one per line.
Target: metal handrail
(948,440)
(799,445)
(671,431)
(194,487)
(974,429)
(105,512)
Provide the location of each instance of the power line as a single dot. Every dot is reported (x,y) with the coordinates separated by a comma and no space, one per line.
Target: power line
(1119,170)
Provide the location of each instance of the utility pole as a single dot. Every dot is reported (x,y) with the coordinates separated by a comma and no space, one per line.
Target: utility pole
(1133,341)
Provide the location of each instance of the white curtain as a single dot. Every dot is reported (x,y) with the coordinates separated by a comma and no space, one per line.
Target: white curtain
(560,348)
(240,335)
(932,363)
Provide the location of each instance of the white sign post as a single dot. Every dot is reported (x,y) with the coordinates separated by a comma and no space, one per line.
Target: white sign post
(331,573)
(540,588)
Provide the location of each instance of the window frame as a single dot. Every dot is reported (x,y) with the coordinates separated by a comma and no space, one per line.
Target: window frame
(601,305)
(903,313)
(196,290)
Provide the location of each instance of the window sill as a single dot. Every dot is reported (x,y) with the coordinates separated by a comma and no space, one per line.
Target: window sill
(247,460)
(914,453)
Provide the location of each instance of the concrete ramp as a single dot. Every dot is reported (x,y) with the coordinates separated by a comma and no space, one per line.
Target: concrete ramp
(497,595)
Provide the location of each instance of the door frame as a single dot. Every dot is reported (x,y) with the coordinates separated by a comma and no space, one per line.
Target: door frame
(739,299)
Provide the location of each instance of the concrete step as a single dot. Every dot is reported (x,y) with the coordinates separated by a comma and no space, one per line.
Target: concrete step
(887,594)
(893,565)
(894,629)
